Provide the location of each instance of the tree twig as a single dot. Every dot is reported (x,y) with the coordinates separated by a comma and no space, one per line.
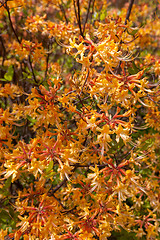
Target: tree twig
(19,41)
(87,15)
(84,82)
(63,11)
(129,11)
(47,59)
(75,10)
(126,19)
(11,24)
(81,101)
(78,16)
(92,9)
(52,191)
(59,201)
(31,67)
(4,49)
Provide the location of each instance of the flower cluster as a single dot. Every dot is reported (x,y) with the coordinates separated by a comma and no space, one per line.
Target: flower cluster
(79,120)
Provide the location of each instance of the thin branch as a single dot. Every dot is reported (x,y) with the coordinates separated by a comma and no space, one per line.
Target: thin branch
(78,16)
(47,62)
(92,9)
(52,191)
(9,17)
(2,4)
(127,154)
(63,11)
(75,10)
(47,59)
(70,92)
(7,237)
(84,82)
(19,41)
(70,210)
(81,101)
(130,40)
(58,186)
(126,19)
(88,9)
(59,201)
(90,165)
(152,99)
(4,50)
(31,69)
(129,11)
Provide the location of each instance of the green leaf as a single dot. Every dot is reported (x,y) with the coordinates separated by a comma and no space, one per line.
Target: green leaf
(145,172)
(103,15)
(3,80)
(9,74)
(147,144)
(4,216)
(147,204)
(32,120)
(131,70)
(50,167)
(134,69)
(133,32)
(11,211)
(8,182)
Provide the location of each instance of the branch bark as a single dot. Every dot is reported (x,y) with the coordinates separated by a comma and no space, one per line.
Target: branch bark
(78,16)
(129,11)
(63,11)
(126,19)
(88,9)
(11,24)
(4,49)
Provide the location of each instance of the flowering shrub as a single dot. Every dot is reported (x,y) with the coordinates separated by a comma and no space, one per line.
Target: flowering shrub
(79,120)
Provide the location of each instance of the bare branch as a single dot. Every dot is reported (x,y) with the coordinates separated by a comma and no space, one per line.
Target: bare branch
(9,17)
(78,16)
(129,11)
(92,9)
(84,82)
(88,9)
(75,10)
(47,57)
(127,18)
(4,49)
(31,68)
(63,11)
